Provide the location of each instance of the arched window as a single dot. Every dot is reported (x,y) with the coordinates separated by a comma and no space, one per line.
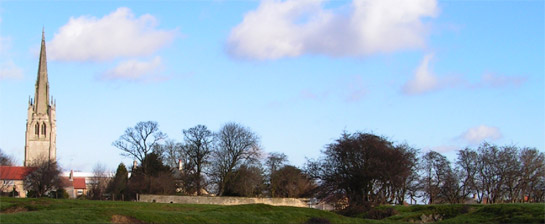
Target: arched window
(37,129)
(43,129)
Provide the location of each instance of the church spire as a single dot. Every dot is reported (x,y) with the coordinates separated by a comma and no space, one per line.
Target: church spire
(42,84)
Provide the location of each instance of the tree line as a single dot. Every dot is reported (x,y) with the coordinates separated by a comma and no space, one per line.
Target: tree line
(228,162)
(362,170)
(356,170)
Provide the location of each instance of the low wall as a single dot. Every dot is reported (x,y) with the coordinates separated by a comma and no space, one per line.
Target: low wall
(294,202)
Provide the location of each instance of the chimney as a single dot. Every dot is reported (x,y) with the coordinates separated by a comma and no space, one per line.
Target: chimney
(180,165)
(134,165)
(71,175)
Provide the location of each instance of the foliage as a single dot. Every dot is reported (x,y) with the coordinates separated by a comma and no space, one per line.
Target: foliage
(291,182)
(118,185)
(151,177)
(246,181)
(59,194)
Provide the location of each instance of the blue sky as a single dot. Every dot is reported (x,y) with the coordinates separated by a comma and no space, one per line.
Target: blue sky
(439,75)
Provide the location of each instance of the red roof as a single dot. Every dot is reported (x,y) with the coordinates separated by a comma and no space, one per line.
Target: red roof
(14,172)
(77,182)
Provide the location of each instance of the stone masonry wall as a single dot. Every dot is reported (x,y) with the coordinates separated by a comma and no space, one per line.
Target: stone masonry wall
(294,202)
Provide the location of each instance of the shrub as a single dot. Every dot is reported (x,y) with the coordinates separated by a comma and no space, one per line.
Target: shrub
(380,213)
(317,220)
(355,210)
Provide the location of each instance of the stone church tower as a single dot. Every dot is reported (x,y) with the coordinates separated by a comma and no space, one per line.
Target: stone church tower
(41,130)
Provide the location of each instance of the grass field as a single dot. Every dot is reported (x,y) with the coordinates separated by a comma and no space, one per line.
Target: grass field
(44,210)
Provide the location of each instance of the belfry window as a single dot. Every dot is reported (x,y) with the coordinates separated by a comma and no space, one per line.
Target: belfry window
(43,129)
(37,129)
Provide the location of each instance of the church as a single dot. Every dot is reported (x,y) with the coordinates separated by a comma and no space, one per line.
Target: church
(40,139)
(41,130)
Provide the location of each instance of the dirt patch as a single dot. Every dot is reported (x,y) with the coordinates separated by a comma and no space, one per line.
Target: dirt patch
(125,219)
(15,209)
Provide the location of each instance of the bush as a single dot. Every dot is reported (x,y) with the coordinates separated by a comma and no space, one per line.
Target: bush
(59,193)
(31,194)
(380,213)
(355,210)
(317,220)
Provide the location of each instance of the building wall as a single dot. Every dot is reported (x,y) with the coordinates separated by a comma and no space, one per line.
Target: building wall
(294,202)
(40,147)
(18,187)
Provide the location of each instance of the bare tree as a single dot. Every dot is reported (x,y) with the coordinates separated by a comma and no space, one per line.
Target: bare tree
(435,168)
(406,182)
(198,142)
(236,145)
(99,182)
(467,164)
(509,167)
(171,152)
(532,184)
(44,178)
(361,169)
(5,160)
(274,162)
(450,190)
(140,140)
(490,176)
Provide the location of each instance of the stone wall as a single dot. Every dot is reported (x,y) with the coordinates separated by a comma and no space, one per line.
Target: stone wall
(294,202)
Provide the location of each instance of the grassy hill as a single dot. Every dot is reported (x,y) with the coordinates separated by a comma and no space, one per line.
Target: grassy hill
(46,210)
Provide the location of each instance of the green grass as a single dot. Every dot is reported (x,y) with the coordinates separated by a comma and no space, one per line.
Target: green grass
(45,210)
(460,213)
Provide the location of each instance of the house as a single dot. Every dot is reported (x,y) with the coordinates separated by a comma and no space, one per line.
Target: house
(74,186)
(12,177)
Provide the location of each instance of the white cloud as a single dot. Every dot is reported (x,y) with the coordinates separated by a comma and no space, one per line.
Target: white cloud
(8,70)
(118,34)
(480,133)
(134,70)
(493,80)
(424,80)
(291,28)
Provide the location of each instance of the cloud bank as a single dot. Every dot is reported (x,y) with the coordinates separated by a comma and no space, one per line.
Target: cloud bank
(8,70)
(119,34)
(135,70)
(425,80)
(291,28)
(478,134)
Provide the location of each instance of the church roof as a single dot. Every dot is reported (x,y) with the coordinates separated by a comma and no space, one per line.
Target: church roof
(42,85)
(14,172)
